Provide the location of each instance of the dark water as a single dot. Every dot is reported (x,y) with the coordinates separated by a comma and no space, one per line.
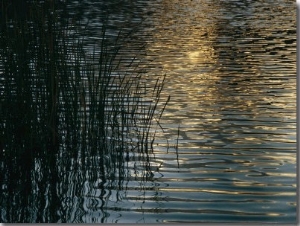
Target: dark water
(227,149)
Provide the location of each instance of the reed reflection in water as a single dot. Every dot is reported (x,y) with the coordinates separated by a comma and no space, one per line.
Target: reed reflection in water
(230,71)
(75,124)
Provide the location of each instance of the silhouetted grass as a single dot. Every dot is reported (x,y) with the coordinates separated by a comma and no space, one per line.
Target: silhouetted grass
(65,110)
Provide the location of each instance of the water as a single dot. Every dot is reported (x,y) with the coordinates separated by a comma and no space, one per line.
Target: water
(227,148)
(231,75)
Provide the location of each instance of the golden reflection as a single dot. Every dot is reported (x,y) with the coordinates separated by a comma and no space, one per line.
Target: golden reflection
(273,214)
(291,175)
(232,98)
(254,193)
(249,184)
(186,46)
(221,76)
(180,40)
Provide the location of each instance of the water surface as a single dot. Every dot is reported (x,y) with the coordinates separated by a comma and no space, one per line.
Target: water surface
(225,148)
(231,75)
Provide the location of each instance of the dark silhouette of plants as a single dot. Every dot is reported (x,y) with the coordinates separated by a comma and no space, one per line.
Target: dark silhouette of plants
(66,111)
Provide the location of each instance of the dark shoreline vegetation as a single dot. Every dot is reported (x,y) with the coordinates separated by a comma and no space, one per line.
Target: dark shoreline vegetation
(67,115)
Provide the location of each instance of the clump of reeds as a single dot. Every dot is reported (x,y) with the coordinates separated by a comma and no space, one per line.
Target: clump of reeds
(63,109)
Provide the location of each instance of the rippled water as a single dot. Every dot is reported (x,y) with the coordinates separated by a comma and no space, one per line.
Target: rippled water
(226,151)
(231,75)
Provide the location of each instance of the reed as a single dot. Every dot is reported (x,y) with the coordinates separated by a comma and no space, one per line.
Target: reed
(64,109)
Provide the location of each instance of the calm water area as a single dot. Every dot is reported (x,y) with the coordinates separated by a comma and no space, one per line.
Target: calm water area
(226,148)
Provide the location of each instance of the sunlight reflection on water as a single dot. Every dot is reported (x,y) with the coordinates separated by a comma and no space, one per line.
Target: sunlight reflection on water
(231,75)
(226,151)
